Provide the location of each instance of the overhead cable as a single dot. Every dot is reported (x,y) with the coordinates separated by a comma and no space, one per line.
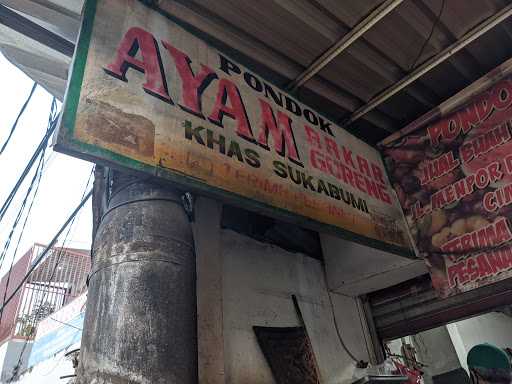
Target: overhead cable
(69,223)
(46,250)
(20,113)
(59,255)
(429,37)
(42,146)
(35,179)
(37,176)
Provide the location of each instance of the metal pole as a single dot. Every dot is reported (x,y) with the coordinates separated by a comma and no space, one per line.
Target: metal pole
(345,42)
(450,105)
(445,54)
(140,321)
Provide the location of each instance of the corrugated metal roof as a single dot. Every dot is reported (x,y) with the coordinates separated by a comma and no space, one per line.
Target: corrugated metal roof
(302,29)
(285,36)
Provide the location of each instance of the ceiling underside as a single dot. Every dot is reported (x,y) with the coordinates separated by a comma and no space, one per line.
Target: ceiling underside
(284,37)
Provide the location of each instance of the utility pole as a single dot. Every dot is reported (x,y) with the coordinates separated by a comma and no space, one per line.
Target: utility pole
(140,322)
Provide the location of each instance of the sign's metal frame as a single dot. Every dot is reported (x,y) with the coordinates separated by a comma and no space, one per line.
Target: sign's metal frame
(67,144)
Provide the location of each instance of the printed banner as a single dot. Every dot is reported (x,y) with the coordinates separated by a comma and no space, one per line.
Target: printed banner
(454,181)
(60,331)
(145,94)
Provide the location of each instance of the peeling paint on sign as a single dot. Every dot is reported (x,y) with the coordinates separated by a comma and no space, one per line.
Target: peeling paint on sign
(147,95)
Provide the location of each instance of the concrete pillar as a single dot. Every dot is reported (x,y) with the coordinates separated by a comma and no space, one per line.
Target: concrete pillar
(209,268)
(140,322)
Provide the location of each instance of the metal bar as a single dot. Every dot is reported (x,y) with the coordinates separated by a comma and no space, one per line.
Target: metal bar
(325,58)
(83,270)
(27,308)
(427,315)
(450,105)
(70,277)
(193,16)
(77,278)
(19,302)
(67,376)
(368,326)
(63,323)
(34,31)
(448,52)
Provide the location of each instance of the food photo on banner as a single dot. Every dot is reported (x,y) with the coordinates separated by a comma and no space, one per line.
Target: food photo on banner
(453,178)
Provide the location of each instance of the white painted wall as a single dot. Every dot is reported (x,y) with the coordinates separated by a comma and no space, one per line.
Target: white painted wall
(3,366)
(10,353)
(435,349)
(50,370)
(3,353)
(258,282)
(354,269)
(445,348)
(493,328)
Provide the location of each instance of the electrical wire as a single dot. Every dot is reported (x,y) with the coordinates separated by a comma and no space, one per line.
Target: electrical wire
(20,113)
(338,332)
(39,152)
(48,284)
(42,146)
(41,257)
(66,324)
(427,40)
(38,176)
(34,265)
(336,327)
(73,221)
(46,250)
(36,179)
(33,182)
(50,128)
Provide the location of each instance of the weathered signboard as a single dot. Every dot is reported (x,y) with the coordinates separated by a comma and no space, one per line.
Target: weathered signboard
(146,94)
(454,180)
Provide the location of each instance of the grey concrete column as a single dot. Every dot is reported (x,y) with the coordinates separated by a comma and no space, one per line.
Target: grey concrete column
(140,323)
(209,269)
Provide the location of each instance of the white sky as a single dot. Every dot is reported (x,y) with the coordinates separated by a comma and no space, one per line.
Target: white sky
(64,177)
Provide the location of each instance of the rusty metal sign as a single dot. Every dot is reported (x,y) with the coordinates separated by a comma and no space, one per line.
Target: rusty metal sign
(146,94)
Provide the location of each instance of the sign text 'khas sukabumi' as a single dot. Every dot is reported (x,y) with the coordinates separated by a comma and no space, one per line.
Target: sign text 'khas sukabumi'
(146,94)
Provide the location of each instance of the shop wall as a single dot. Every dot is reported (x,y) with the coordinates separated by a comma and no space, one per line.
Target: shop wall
(435,349)
(10,352)
(494,328)
(354,269)
(258,281)
(50,370)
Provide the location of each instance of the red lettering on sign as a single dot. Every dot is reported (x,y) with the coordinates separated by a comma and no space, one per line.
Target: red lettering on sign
(193,85)
(281,131)
(480,266)
(489,236)
(500,98)
(485,142)
(438,167)
(135,40)
(313,137)
(228,93)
